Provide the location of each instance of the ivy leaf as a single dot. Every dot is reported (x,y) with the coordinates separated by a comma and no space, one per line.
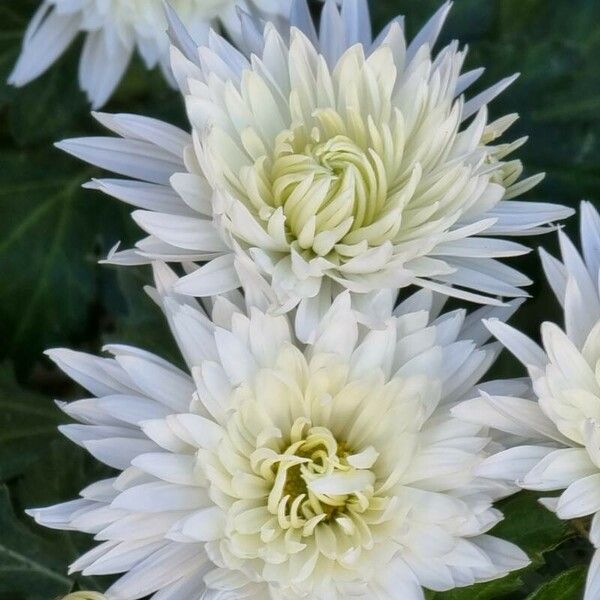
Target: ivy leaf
(28,563)
(566,586)
(71,470)
(530,526)
(50,239)
(51,233)
(28,422)
(483,591)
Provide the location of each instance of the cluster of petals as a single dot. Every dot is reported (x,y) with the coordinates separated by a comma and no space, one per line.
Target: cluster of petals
(114,29)
(325,439)
(283,470)
(557,432)
(330,161)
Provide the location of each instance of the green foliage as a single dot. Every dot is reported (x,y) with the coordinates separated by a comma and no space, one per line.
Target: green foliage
(52,232)
(27,422)
(565,586)
(52,292)
(47,247)
(28,564)
(535,531)
(34,560)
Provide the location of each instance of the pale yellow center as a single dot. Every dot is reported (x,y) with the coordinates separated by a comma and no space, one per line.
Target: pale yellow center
(313,452)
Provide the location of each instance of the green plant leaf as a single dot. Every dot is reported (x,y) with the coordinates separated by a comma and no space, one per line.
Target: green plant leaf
(566,586)
(58,476)
(530,526)
(50,239)
(28,422)
(29,568)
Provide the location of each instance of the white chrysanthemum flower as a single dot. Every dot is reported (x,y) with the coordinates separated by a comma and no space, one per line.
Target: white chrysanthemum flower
(114,29)
(284,471)
(562,427)
(334,164)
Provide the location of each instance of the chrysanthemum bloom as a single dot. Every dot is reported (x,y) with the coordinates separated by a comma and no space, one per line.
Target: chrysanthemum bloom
(563,424)
(284,471)
(114,29)
(333,161)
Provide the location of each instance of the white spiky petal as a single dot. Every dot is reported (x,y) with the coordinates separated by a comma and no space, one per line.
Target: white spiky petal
(562,425)
(283,471)
(334,164)
(114,29)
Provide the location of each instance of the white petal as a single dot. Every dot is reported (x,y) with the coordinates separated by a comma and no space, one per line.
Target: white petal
(161,134)
(148,196)
(342,483)
(168,385)
(102,66)
(430,31)
(205,525)
(524,349)
(47,38)
(118,452)
(592,584)
(485,97)
(590,236)
(236,358)
(216,277)
(580,499)
(165,566)
(97,375)
(189,233)
(132,158)
(160,496)
(559,469)
(512,464)
(173,468)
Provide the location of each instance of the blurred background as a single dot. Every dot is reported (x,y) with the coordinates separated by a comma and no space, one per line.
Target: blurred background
(53,292)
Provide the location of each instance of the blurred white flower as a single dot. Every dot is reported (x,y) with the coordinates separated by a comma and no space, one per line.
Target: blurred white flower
(333,161)
(114,29)
(562,426)
(285,471)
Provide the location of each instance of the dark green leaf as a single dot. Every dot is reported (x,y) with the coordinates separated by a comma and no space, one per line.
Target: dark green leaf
(29,568)
(531,526)
(566,586)
(483,591)
(59,476)
(50,239)
(28,422)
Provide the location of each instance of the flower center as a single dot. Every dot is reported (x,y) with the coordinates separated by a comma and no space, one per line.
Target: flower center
(328,190)
(313,456)
(297,484)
